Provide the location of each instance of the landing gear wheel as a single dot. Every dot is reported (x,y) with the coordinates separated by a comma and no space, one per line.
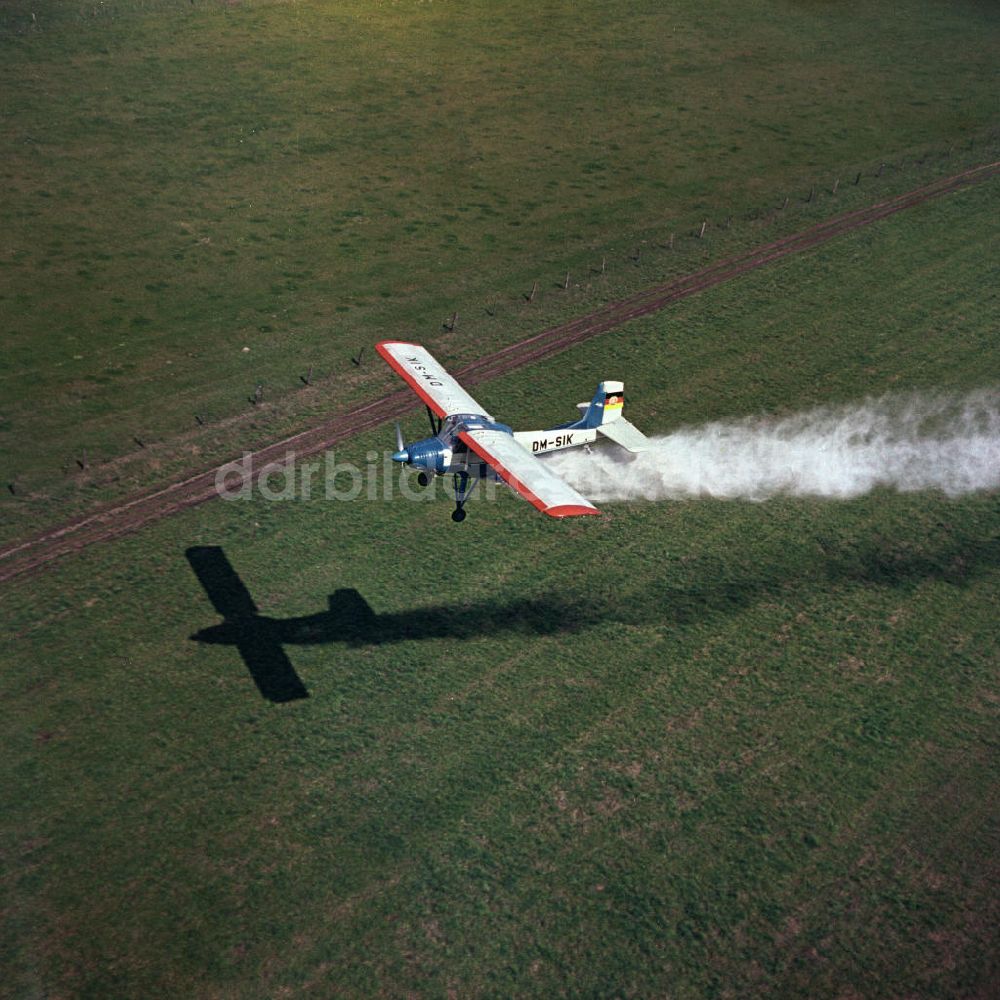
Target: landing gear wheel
(423,479)
(462,492)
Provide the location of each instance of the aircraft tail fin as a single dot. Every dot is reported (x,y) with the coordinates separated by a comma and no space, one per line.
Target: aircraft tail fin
(604,414)
(604,408)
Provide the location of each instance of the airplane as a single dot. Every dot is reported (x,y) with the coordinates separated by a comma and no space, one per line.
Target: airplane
(468,444)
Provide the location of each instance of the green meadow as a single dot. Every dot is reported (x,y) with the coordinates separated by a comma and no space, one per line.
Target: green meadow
(201,197)
(691,749)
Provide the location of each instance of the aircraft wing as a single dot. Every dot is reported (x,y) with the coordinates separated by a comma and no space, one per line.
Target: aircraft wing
(517,467)
(428,379)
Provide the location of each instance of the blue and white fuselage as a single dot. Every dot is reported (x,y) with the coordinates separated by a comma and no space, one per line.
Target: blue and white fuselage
(446,453)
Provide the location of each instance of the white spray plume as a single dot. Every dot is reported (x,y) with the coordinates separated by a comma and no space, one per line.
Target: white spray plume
(908,442)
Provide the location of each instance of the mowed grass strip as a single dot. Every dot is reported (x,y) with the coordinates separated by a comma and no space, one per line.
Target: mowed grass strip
(696,748)
(186,180)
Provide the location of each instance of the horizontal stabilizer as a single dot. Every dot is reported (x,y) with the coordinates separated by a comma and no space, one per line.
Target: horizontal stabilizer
(625,434)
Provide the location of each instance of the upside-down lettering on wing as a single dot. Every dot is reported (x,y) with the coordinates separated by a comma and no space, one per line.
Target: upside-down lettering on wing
(526,474)
(428,378)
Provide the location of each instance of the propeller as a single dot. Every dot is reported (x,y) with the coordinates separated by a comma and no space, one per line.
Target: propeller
(400,454)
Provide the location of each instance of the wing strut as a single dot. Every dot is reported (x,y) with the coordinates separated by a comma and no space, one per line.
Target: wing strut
(435,420)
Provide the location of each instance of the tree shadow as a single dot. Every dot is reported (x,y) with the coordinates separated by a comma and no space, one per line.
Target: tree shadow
(349,619)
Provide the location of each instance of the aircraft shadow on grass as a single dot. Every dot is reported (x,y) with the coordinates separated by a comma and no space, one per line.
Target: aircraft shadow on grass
(349,619)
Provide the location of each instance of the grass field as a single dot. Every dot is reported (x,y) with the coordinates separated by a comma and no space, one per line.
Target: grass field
(184,180)
(689,749)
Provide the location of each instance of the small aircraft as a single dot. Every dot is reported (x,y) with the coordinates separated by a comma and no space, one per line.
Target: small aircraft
(468,444)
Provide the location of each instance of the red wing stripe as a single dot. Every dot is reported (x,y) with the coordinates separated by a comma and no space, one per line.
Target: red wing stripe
(408,376)
(570,510)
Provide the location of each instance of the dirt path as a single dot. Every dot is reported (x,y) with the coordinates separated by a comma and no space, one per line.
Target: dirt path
(131,514)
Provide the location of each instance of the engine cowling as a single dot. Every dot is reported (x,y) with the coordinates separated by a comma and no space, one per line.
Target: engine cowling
(430,454)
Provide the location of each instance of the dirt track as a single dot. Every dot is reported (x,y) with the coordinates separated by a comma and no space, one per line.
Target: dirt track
(131,514)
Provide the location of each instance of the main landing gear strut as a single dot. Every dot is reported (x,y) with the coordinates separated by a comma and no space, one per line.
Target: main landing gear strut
(462,493)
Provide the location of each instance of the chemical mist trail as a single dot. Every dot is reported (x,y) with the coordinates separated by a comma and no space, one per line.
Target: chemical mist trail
(944,442)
